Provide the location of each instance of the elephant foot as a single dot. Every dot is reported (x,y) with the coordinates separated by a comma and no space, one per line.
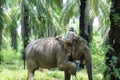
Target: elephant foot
(72,71)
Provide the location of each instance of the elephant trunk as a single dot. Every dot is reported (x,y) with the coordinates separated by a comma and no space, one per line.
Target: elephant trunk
(88,60)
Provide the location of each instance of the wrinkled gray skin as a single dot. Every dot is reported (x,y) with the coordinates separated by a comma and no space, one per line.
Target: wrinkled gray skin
(50,53)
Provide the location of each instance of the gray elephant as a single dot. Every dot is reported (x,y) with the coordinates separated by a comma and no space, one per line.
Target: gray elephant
(50,53)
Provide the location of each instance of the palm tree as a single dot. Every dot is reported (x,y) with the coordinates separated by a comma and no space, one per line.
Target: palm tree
(1,20)
(25,29)
(112,61)
(15,16)
(11,15)
(87,15)
(14,38)
(89,9)
(48,19)
(1,25)
(82,23)
(25,25)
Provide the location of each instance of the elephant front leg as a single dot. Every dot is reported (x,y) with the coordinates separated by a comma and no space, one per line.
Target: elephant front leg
(30,76)
(69,66)
(67,75)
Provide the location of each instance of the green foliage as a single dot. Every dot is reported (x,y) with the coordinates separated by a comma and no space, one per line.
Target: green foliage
(1,58)
(112,68)
(94,4)
(97,45)
(2,2)
(1,18)
(116,18)
(9,55)
(98,48)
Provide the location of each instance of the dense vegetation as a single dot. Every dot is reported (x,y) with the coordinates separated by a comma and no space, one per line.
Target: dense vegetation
(22,21)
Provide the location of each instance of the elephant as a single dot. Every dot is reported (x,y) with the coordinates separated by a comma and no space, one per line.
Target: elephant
(50,53)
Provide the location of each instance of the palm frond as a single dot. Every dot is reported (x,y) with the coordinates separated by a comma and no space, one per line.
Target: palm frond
(70,9)
(94,4)
(6,17)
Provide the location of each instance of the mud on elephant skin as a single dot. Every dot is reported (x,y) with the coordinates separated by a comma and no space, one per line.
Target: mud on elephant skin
(50,53)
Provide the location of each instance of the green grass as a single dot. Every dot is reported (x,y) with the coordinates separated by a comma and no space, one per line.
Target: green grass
(15,71)
(7,74)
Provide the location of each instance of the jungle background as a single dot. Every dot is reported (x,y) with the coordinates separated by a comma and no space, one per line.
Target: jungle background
(23,21)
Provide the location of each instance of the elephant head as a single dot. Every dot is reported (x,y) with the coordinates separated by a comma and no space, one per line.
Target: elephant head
(81,52)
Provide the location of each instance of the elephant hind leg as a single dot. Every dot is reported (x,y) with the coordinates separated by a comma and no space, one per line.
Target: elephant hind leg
(31,69)
(31,73)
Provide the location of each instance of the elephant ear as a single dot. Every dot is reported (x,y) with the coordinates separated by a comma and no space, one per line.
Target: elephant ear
(74,42)
(80,38)
(76,39)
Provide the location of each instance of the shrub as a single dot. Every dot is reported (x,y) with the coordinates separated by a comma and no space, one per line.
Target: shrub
(9,55)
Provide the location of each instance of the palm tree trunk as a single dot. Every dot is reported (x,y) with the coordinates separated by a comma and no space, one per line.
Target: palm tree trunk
(25,25)
(25,30)
(112,61)
(1,25)
(0,37)
(14,38)
(85,28)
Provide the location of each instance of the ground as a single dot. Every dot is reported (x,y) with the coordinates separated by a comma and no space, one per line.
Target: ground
(15,71)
